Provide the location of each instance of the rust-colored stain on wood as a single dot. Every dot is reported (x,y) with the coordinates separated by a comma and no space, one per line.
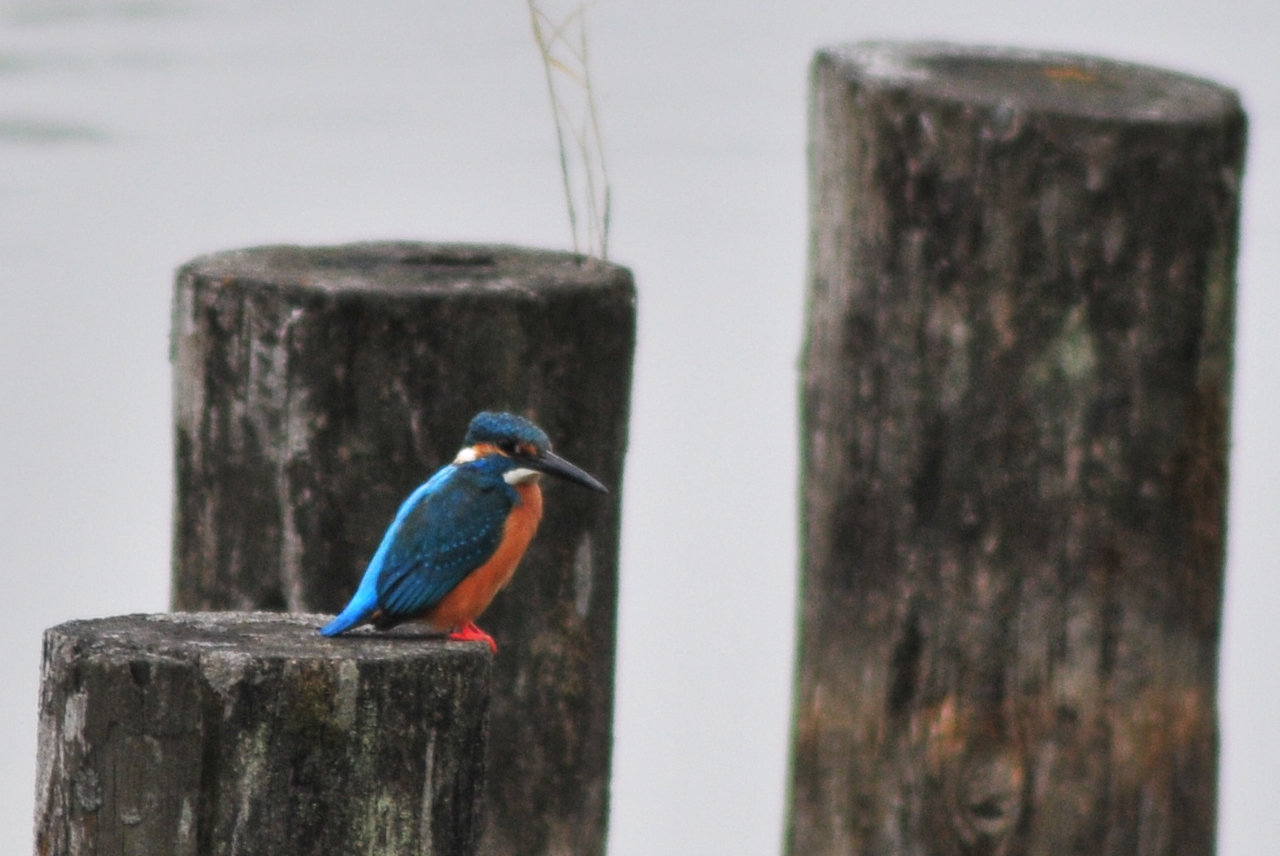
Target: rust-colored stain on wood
(1070,73)
(1201,473)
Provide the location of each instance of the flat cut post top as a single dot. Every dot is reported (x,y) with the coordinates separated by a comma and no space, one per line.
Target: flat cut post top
(407,266)
(264,635)
(1040,82)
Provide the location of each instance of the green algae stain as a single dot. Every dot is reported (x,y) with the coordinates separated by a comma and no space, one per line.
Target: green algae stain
(1218,334)
(1071,356)
(1076,354)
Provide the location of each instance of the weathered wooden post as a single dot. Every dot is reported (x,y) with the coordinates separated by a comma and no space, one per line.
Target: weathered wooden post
(1015,409)
(315,388)
(234,733)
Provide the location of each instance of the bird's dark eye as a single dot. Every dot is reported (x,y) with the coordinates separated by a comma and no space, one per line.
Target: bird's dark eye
(508,447)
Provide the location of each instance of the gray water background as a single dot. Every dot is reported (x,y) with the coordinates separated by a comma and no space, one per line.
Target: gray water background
(135,135)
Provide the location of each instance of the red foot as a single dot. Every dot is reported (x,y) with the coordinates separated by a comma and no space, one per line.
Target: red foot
(470,633)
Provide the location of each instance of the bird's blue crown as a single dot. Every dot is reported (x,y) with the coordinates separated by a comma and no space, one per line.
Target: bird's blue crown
(502,428)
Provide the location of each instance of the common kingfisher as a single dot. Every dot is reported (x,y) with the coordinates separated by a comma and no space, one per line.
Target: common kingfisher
(457,539)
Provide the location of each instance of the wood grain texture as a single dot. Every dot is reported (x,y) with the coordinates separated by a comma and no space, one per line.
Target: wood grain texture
(315,388)
(1015,422)
(237,733)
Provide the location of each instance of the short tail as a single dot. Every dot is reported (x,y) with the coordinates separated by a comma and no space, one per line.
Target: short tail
(361,608)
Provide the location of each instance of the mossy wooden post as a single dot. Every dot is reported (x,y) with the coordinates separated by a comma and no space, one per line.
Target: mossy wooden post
(315,388)
(229,733)
(1015,420)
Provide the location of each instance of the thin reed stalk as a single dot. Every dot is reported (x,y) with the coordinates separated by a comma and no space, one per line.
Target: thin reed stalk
(563,46)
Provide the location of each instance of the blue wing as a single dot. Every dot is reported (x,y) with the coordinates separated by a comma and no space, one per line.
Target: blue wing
(446,534)
(446,529)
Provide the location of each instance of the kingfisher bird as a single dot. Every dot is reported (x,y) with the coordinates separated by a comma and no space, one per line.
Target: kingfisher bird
(457,539)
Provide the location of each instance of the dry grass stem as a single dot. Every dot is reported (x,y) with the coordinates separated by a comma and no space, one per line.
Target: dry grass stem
(563,46)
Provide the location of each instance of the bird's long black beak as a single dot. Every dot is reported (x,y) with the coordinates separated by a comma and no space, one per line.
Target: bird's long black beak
(552,464)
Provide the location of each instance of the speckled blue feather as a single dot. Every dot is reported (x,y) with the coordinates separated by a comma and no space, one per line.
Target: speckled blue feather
(449,533)
(490,427)
(446,529)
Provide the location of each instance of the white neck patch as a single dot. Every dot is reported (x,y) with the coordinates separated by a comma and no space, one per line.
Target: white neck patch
(519,476)
(466,456)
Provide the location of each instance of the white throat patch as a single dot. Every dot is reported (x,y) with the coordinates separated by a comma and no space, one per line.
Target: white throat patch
(519,476)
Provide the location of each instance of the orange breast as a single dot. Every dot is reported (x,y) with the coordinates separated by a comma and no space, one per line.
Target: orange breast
(472,596)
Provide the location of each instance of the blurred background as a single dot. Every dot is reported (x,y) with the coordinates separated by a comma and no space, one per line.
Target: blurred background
(135,135)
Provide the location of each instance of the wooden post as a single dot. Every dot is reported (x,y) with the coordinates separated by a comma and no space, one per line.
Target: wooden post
(231,733)
(1015,410)
(316,388)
